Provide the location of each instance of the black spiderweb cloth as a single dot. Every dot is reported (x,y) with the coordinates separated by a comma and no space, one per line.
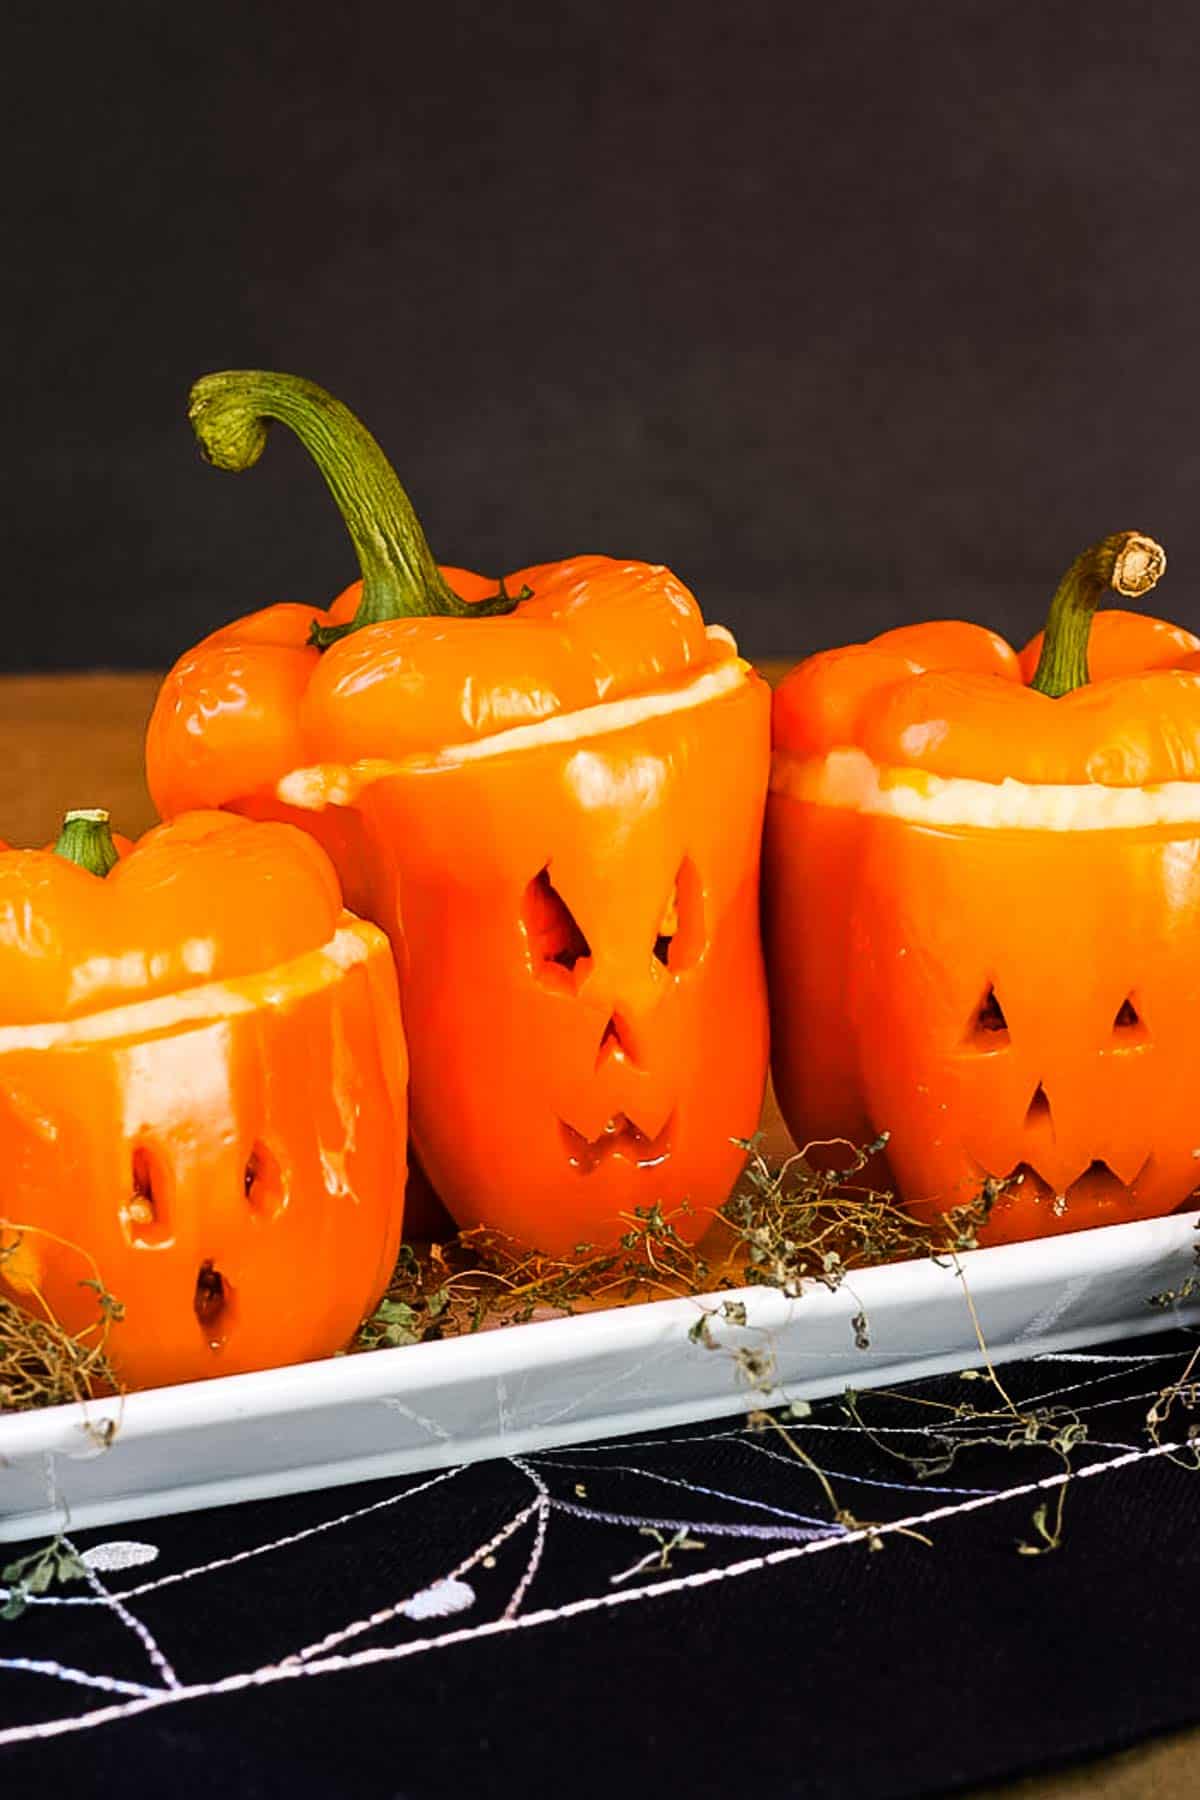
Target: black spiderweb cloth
(674,1609)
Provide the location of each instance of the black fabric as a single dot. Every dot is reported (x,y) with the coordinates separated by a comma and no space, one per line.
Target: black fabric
(852,313)
(835,1670)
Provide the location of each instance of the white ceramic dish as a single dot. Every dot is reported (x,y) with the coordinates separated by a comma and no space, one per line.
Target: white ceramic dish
(599,1374)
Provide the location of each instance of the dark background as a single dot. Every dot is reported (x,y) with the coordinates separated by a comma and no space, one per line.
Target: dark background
(851,313)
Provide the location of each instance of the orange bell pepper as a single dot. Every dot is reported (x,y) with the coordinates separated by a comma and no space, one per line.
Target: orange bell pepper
(549,793)
(982,906)
(202,1090)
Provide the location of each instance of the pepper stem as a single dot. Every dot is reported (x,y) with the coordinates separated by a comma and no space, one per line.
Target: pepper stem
(1131,565)
(85,839)
(230,414)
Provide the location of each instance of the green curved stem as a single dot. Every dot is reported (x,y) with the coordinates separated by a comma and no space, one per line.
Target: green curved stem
(85,839)
(1131,565)
(230,414)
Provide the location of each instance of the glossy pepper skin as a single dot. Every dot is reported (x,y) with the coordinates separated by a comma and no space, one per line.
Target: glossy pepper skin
(549,793)
(201,1087)
(982,907)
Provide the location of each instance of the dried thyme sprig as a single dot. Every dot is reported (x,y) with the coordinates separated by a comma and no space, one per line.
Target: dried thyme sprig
(55,1562)
(41,1362)
(784,1226)
(801,1222)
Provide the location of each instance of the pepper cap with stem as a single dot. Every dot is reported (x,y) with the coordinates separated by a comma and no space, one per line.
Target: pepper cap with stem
(230,414)
(86,839)
(1130,564)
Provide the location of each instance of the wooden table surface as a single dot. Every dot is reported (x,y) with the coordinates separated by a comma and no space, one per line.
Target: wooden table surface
(76,740)
(69,741)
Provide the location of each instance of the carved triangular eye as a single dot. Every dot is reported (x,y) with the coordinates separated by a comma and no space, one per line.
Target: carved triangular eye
(145,1214)
(988,1029)
(668,926)
(1129,1026)
(680,939)
(263,1181)
(141,1205)
(555,938)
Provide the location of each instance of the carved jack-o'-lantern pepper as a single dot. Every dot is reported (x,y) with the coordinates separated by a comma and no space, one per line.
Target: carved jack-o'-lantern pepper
(982,878)
(201,1095)
(549,793)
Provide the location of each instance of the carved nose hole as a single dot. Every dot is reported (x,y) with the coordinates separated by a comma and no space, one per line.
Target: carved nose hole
(263,1183)
(988,1029)
(209,1300)
(560,953)
(1129,1028)
(1038,1112)
(211,1303)
(680,940)
(616,1041)
(144,1214)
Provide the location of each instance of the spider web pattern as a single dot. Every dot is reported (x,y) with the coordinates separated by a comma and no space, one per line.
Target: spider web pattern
(422,1567)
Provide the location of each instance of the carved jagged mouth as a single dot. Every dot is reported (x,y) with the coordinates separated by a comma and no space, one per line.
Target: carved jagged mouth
(620,1137)
(1098,1185)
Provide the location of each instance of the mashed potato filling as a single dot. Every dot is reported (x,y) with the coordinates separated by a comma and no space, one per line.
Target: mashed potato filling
(333,784)
(849,778)
(140,1020)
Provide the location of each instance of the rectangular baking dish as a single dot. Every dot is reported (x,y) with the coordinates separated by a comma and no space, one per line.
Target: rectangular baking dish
(562,1381)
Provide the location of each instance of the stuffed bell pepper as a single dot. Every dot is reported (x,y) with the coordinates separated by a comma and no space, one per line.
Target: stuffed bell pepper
(201,1095)
(548,790)
(982,905)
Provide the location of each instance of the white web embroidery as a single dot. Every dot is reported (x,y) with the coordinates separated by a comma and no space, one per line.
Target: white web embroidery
(752,1520)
